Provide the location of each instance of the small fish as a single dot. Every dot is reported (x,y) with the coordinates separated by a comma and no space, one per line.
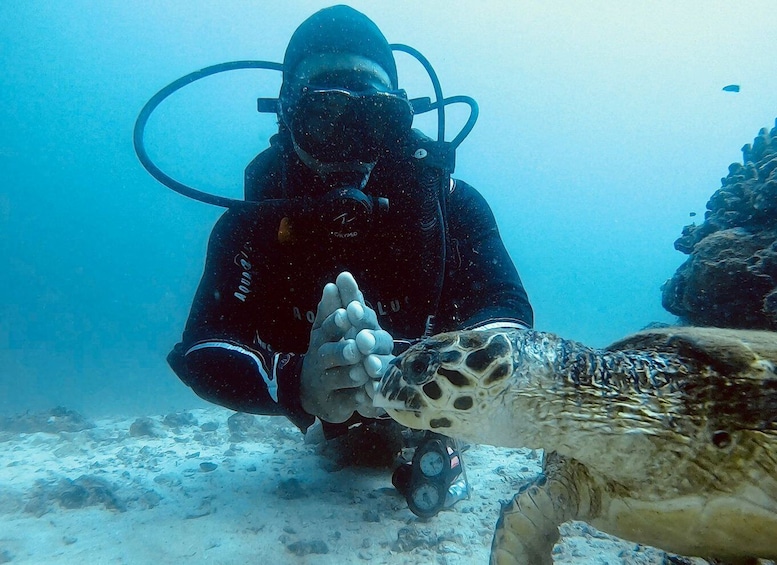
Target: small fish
(692,214)
(731,88)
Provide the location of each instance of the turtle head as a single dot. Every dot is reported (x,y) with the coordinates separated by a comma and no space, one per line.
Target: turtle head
(447,383)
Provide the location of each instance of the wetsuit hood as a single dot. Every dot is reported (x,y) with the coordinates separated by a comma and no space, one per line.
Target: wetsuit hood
(339,30)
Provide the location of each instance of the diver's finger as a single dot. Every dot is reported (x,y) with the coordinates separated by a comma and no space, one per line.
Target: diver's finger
(372,387)
(334,327)
(362,316)
(369,411)
(341,353)
(329,303)
(341,404)
(366,341)
(376,365)
(379,342)
(363,400)
(384,342)
(341,378)
(358,374)
(348,289)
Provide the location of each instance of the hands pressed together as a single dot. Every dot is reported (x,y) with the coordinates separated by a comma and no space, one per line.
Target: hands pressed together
(348,352)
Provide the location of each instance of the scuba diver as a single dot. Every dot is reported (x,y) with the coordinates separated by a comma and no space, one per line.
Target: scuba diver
(303,304)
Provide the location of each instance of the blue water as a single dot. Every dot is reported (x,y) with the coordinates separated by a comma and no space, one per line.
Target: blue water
(601,129)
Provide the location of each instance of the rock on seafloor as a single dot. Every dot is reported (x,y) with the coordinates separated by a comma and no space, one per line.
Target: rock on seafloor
(730,276)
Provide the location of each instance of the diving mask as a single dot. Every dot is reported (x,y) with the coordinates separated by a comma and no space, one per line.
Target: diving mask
(336,125)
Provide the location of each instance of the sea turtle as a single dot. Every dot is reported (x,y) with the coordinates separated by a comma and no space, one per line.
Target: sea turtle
(667,438)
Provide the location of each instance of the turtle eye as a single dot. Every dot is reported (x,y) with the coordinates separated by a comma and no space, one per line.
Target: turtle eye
(415,371)
(418,366)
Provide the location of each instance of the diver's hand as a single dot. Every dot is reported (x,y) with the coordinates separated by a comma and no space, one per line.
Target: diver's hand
(374,343)
(326,388)
(375,346)
(347,351)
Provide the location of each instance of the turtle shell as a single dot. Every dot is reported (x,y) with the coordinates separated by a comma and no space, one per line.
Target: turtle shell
(727,351)
(735,377)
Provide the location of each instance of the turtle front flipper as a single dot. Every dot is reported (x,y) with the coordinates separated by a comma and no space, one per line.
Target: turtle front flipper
(527,528)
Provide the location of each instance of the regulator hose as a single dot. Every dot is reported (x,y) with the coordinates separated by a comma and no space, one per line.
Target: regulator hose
(158,98)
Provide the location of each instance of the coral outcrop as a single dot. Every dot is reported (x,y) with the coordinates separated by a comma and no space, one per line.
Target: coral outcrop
(730,276)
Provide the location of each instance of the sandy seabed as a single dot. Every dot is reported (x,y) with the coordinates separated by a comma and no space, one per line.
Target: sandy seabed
(212,486)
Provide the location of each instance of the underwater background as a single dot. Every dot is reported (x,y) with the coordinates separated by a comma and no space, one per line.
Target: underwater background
(602,127)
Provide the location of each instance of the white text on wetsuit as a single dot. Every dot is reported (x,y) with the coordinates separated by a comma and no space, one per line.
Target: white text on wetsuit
(380,308)
(244,288)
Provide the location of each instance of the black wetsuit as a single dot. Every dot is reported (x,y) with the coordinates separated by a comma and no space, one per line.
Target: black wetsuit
(250,322)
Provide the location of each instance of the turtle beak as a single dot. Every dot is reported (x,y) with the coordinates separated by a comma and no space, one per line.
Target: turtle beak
(388,392)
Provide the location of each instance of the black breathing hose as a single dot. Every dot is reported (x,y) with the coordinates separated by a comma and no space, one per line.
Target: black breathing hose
(419,106)
(156,100)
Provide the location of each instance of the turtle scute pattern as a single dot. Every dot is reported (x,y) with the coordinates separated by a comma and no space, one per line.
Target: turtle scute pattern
(666,438)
